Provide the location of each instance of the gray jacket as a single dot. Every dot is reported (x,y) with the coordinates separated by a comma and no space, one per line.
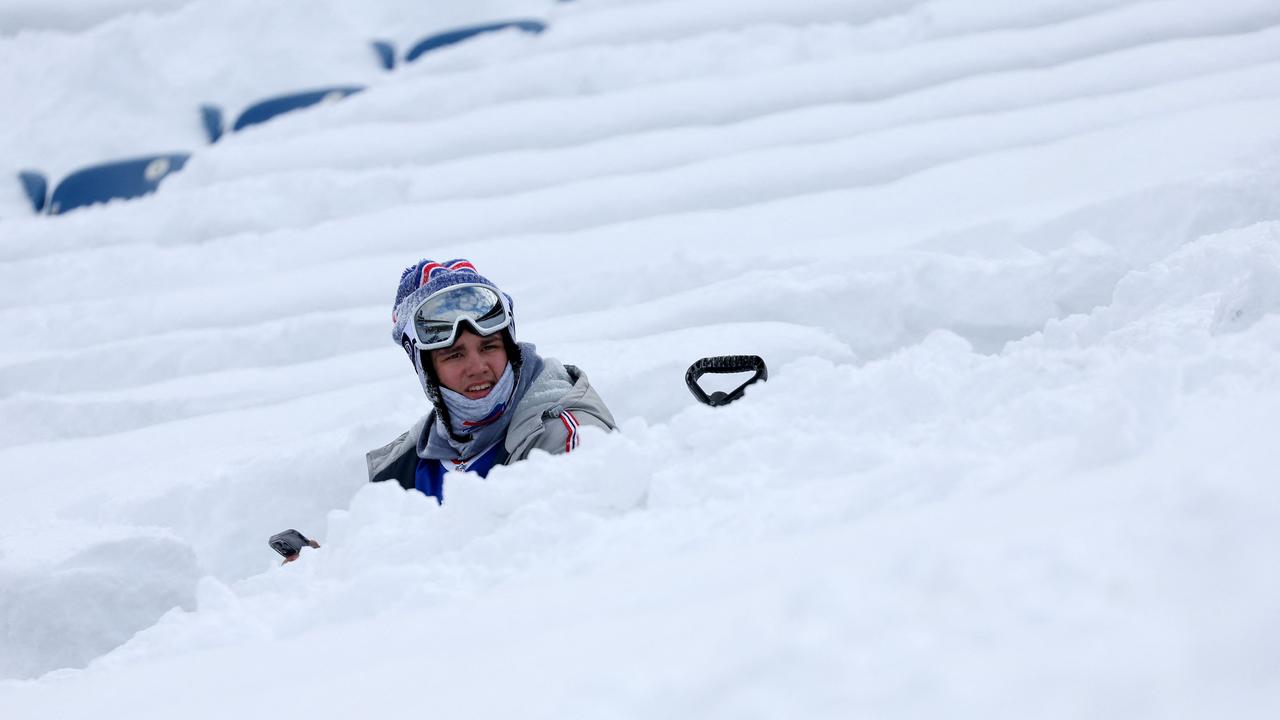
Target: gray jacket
(537,422)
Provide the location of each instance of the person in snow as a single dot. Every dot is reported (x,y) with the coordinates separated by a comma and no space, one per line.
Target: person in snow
(493,400)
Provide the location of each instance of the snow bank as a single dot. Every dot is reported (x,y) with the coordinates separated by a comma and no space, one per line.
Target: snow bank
(1015,271)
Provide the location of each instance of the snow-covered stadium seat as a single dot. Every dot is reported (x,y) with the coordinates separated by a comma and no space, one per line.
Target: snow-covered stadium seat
(386,52)
(264,110)
(36,187)
(211,119)
(116,180)
(450,37)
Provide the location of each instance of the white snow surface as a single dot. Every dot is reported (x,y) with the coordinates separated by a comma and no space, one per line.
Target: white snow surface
(1015,269)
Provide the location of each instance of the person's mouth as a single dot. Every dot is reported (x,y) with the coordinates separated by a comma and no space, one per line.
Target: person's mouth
(479,389)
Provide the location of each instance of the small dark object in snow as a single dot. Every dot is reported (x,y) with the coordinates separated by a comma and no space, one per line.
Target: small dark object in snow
(290,543)
(721,365)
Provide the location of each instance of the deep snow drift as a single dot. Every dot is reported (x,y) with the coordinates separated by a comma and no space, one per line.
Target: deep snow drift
(1015,268)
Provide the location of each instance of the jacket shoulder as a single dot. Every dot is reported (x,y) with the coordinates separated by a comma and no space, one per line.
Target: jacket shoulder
(398,459)
(561,430)
(553,421)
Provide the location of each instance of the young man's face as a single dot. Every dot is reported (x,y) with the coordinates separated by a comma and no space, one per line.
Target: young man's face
(472,365)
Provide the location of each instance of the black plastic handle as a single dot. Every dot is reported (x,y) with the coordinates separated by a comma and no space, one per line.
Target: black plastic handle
(723,364)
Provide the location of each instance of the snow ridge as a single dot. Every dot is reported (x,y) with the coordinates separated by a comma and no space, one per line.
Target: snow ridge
(1015,269)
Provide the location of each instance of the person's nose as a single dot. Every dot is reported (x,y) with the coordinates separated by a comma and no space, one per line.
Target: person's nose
(475,365)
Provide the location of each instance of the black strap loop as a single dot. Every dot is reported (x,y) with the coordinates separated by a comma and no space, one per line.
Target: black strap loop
(724,364)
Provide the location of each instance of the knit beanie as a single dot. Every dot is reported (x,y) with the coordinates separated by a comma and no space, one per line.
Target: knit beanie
(422,280)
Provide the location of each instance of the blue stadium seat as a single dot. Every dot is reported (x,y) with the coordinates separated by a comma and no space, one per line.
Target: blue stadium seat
(451,37)
(386,54)
(36,188)
(211,118)
(265,110)
(115,180)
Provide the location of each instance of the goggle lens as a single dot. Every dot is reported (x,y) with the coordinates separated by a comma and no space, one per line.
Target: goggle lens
(436,320)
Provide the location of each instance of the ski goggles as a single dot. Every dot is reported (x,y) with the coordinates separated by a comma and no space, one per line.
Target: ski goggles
(434,323)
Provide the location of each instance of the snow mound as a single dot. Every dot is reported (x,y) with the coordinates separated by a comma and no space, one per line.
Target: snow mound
(1015,271)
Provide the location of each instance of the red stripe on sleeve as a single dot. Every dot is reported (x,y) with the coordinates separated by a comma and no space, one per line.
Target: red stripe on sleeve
(568,428)
(573,418)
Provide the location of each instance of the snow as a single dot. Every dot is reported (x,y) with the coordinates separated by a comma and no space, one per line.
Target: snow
(1015,268)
